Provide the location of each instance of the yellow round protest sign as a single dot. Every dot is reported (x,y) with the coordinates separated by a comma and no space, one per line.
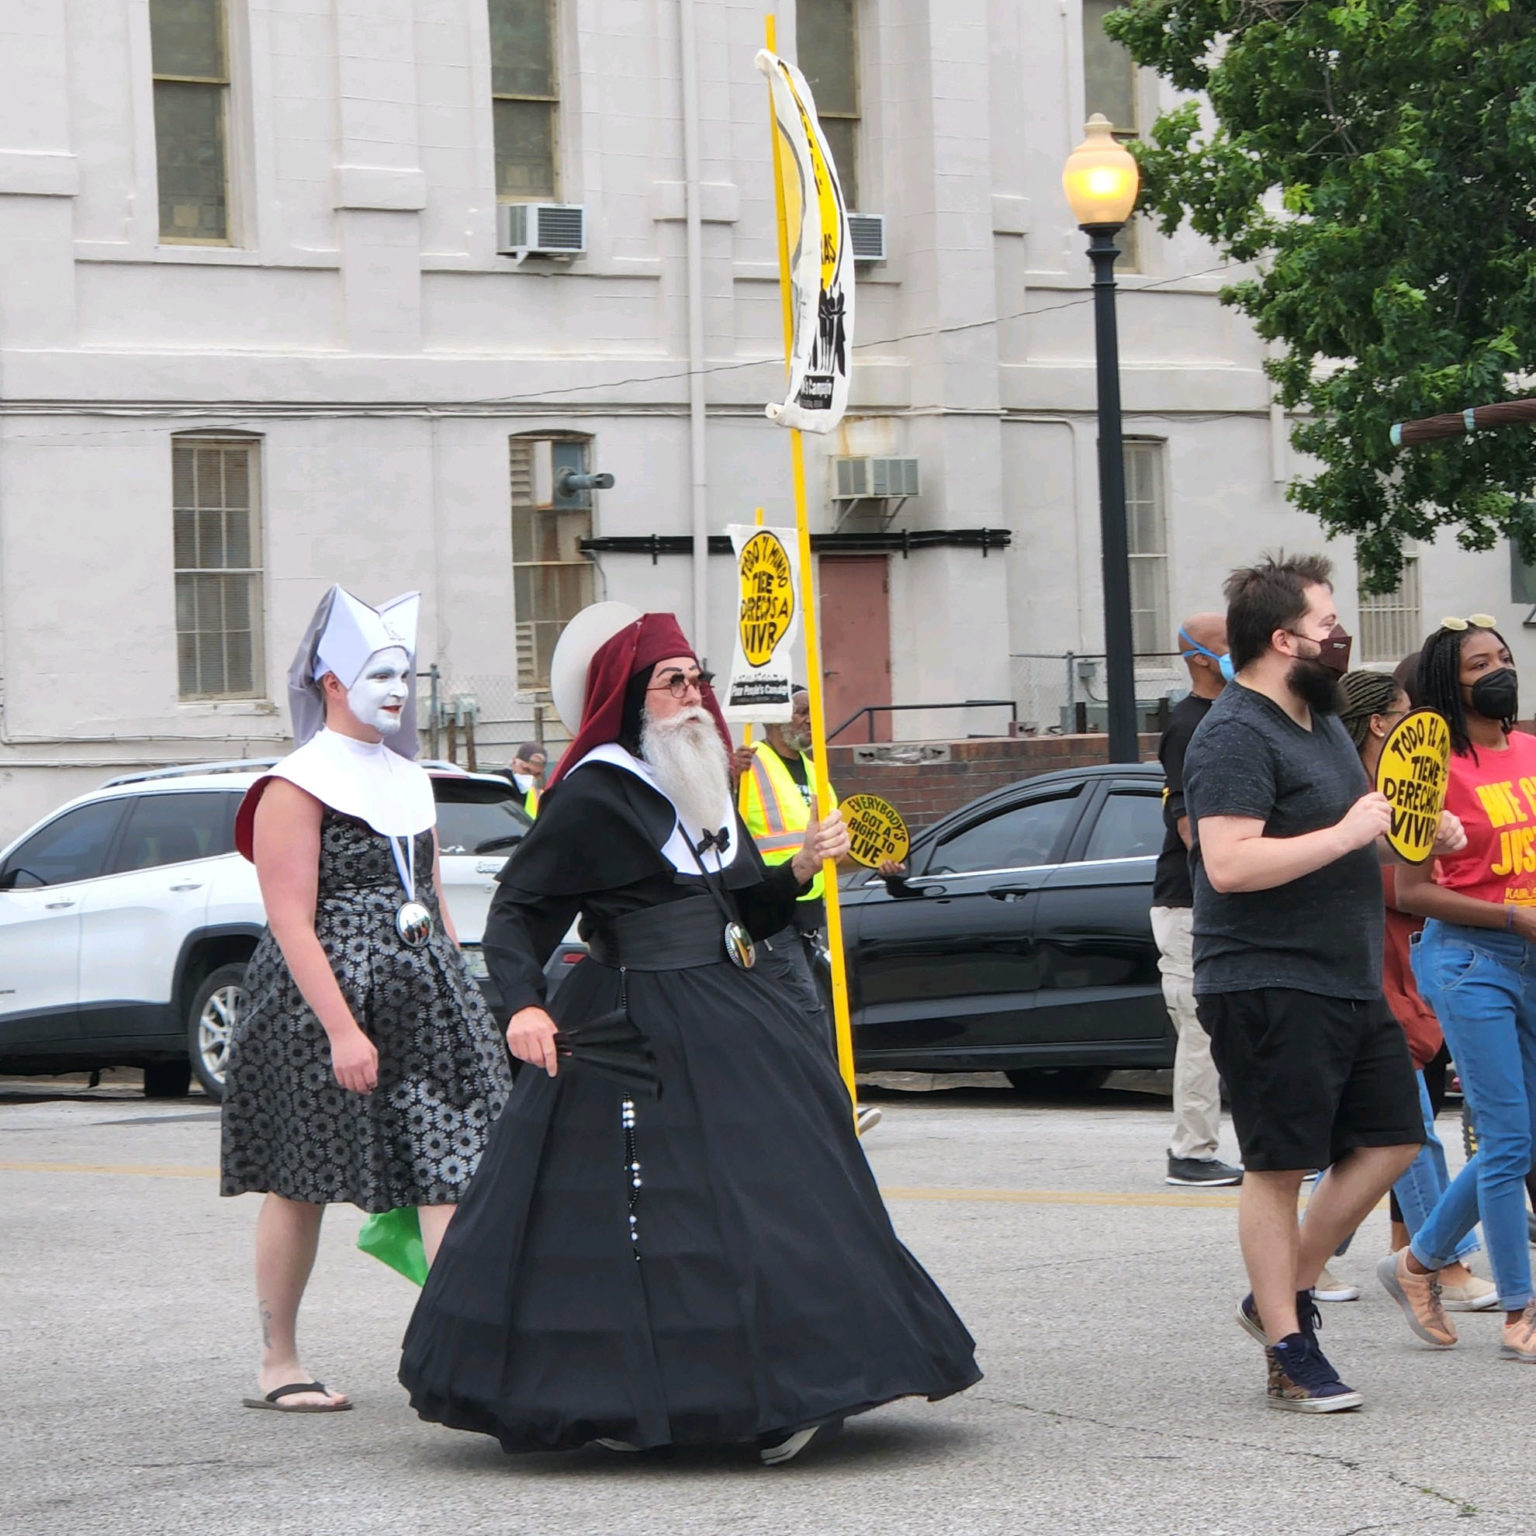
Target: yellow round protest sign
(875,830)
(767,596)
(1413,771)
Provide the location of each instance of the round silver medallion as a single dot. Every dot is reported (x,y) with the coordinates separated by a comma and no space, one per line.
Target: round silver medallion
(414,924)
(739,946)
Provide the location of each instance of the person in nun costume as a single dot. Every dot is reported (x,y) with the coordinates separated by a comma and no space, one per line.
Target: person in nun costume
(366,1066)
(714,1265)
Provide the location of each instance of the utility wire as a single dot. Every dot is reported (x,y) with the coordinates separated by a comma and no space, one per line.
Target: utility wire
(541,396)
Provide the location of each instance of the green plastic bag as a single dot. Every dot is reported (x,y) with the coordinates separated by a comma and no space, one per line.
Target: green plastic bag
(394,1238)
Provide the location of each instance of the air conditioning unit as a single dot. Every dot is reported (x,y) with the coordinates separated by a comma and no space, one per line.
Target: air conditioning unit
(875,477)
(867,231)
(540,229)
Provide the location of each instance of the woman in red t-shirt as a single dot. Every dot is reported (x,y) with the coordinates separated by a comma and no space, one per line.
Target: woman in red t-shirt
(1476,959)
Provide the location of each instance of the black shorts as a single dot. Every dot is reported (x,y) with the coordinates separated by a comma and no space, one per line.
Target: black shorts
(1310,1077)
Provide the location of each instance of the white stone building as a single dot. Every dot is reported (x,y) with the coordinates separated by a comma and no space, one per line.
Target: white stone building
(258,333)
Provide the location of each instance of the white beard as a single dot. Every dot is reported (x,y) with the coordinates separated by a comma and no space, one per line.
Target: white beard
(688,758)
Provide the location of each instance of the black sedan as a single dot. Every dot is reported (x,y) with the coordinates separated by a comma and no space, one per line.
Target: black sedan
(1020,938)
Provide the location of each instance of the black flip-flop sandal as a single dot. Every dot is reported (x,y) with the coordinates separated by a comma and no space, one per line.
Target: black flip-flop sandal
(274,1399)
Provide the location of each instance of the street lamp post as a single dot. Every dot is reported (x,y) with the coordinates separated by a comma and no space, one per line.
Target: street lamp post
(1101,180)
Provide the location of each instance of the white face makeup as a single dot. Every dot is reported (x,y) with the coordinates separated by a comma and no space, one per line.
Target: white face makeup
(379,694)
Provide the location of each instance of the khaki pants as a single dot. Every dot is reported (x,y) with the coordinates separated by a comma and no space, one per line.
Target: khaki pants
(1196,1084)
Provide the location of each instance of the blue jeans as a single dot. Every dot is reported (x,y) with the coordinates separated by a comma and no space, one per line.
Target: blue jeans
(1481,984)
(1427,1179)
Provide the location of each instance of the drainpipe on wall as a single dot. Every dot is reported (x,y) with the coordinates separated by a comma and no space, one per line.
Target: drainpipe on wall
(699,472)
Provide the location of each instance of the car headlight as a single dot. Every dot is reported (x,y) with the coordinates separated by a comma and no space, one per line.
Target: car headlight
(474,958)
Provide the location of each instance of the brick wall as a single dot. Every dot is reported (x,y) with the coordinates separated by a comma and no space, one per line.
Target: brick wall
(926,792)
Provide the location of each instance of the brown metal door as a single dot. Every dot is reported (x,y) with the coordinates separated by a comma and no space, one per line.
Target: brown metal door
(856,641)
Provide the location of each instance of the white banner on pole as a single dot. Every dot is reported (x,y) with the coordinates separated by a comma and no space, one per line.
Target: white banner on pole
(768,620)
(821,258)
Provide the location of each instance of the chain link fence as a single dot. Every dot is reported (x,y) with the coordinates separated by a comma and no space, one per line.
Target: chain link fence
(1063,693)
(477,721)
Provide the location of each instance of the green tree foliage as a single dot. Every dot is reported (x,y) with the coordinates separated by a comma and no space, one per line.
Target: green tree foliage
(1376,160)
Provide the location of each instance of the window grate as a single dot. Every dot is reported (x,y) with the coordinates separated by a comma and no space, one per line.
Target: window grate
(1390,623)
(190,63)
(827,50)
(552,580)
(1147,540)
(525,99)
(215,538)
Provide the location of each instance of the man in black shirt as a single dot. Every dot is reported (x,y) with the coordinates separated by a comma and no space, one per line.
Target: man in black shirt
(1288,951)
(1196,1085)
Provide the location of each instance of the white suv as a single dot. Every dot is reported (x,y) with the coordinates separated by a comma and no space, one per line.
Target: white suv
(127,918)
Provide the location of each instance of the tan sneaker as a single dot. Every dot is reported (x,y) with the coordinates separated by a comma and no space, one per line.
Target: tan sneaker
(1520,1336)
(1474,1294)
(1419,1297)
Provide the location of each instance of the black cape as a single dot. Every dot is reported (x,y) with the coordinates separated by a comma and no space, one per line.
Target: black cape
(760,1287)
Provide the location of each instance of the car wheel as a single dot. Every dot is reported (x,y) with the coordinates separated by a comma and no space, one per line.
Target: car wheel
(1057,1082)
(167,1079)
(215,1008)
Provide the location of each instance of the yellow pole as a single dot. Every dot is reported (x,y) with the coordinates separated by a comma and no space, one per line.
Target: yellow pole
(812,637)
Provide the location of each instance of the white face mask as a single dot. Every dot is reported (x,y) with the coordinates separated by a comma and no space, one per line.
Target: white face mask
(379,694)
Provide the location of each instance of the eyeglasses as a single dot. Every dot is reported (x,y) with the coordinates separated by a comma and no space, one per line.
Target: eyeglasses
(1473,620)
(678,683)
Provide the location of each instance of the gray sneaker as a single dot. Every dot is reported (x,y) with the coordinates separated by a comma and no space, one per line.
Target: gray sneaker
(1201,1171)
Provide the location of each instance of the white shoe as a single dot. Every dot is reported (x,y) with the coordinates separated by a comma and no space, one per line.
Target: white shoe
(1330,1288)
(787,1450)
(868,1117)
(617,1445)
(1477,1295)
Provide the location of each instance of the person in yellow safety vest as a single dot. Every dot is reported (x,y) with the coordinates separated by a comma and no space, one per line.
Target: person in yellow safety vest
(527,773)
(776,785)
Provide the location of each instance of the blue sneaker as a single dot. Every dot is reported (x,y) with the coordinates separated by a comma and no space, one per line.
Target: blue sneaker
(1302,1381)
(1306,1314)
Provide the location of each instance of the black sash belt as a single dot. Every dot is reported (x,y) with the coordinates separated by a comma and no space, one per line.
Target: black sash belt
(675,936)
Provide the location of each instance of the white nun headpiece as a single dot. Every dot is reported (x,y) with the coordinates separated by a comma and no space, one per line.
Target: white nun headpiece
(341,637)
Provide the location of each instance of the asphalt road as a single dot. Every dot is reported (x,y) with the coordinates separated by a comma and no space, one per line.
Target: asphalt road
(1119,1395)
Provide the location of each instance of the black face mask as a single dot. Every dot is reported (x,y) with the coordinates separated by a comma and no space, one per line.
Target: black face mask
(1496,695)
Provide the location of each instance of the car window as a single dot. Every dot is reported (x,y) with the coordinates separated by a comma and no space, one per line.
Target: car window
(1017,838)
(176,829)
(1130,826)
(466,826)
(71,847)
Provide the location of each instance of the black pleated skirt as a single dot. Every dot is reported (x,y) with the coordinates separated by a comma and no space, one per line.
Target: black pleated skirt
(759,1287)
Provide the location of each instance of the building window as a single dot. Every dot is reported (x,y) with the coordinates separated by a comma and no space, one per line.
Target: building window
(217,542)
(1110,87)
(827,50)
(1522,576)
(551,577)
(1146,527)
(525,99)
(191,69)
(1389,621)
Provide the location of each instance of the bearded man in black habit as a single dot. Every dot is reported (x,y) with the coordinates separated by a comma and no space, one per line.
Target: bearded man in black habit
(710,1264)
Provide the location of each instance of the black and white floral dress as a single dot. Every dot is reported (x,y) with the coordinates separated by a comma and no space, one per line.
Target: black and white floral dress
(444,1074)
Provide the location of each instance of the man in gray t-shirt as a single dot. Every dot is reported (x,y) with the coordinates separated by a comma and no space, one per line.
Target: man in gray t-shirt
(1287,945)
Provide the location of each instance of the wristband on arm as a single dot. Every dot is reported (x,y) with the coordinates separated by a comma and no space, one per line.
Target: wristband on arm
(1509,919)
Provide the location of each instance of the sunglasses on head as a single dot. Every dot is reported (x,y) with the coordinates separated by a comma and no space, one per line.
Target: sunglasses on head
(1472,621)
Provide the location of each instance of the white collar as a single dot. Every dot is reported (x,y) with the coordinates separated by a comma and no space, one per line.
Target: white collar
(365,780)
(678,849)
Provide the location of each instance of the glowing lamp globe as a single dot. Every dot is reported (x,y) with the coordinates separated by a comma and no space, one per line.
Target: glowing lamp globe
(1100,177)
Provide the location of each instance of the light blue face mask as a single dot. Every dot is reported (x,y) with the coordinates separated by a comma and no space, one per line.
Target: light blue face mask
(1223,662)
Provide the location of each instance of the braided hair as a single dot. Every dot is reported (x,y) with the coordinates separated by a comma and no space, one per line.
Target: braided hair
(1440,681)
(1361,695)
